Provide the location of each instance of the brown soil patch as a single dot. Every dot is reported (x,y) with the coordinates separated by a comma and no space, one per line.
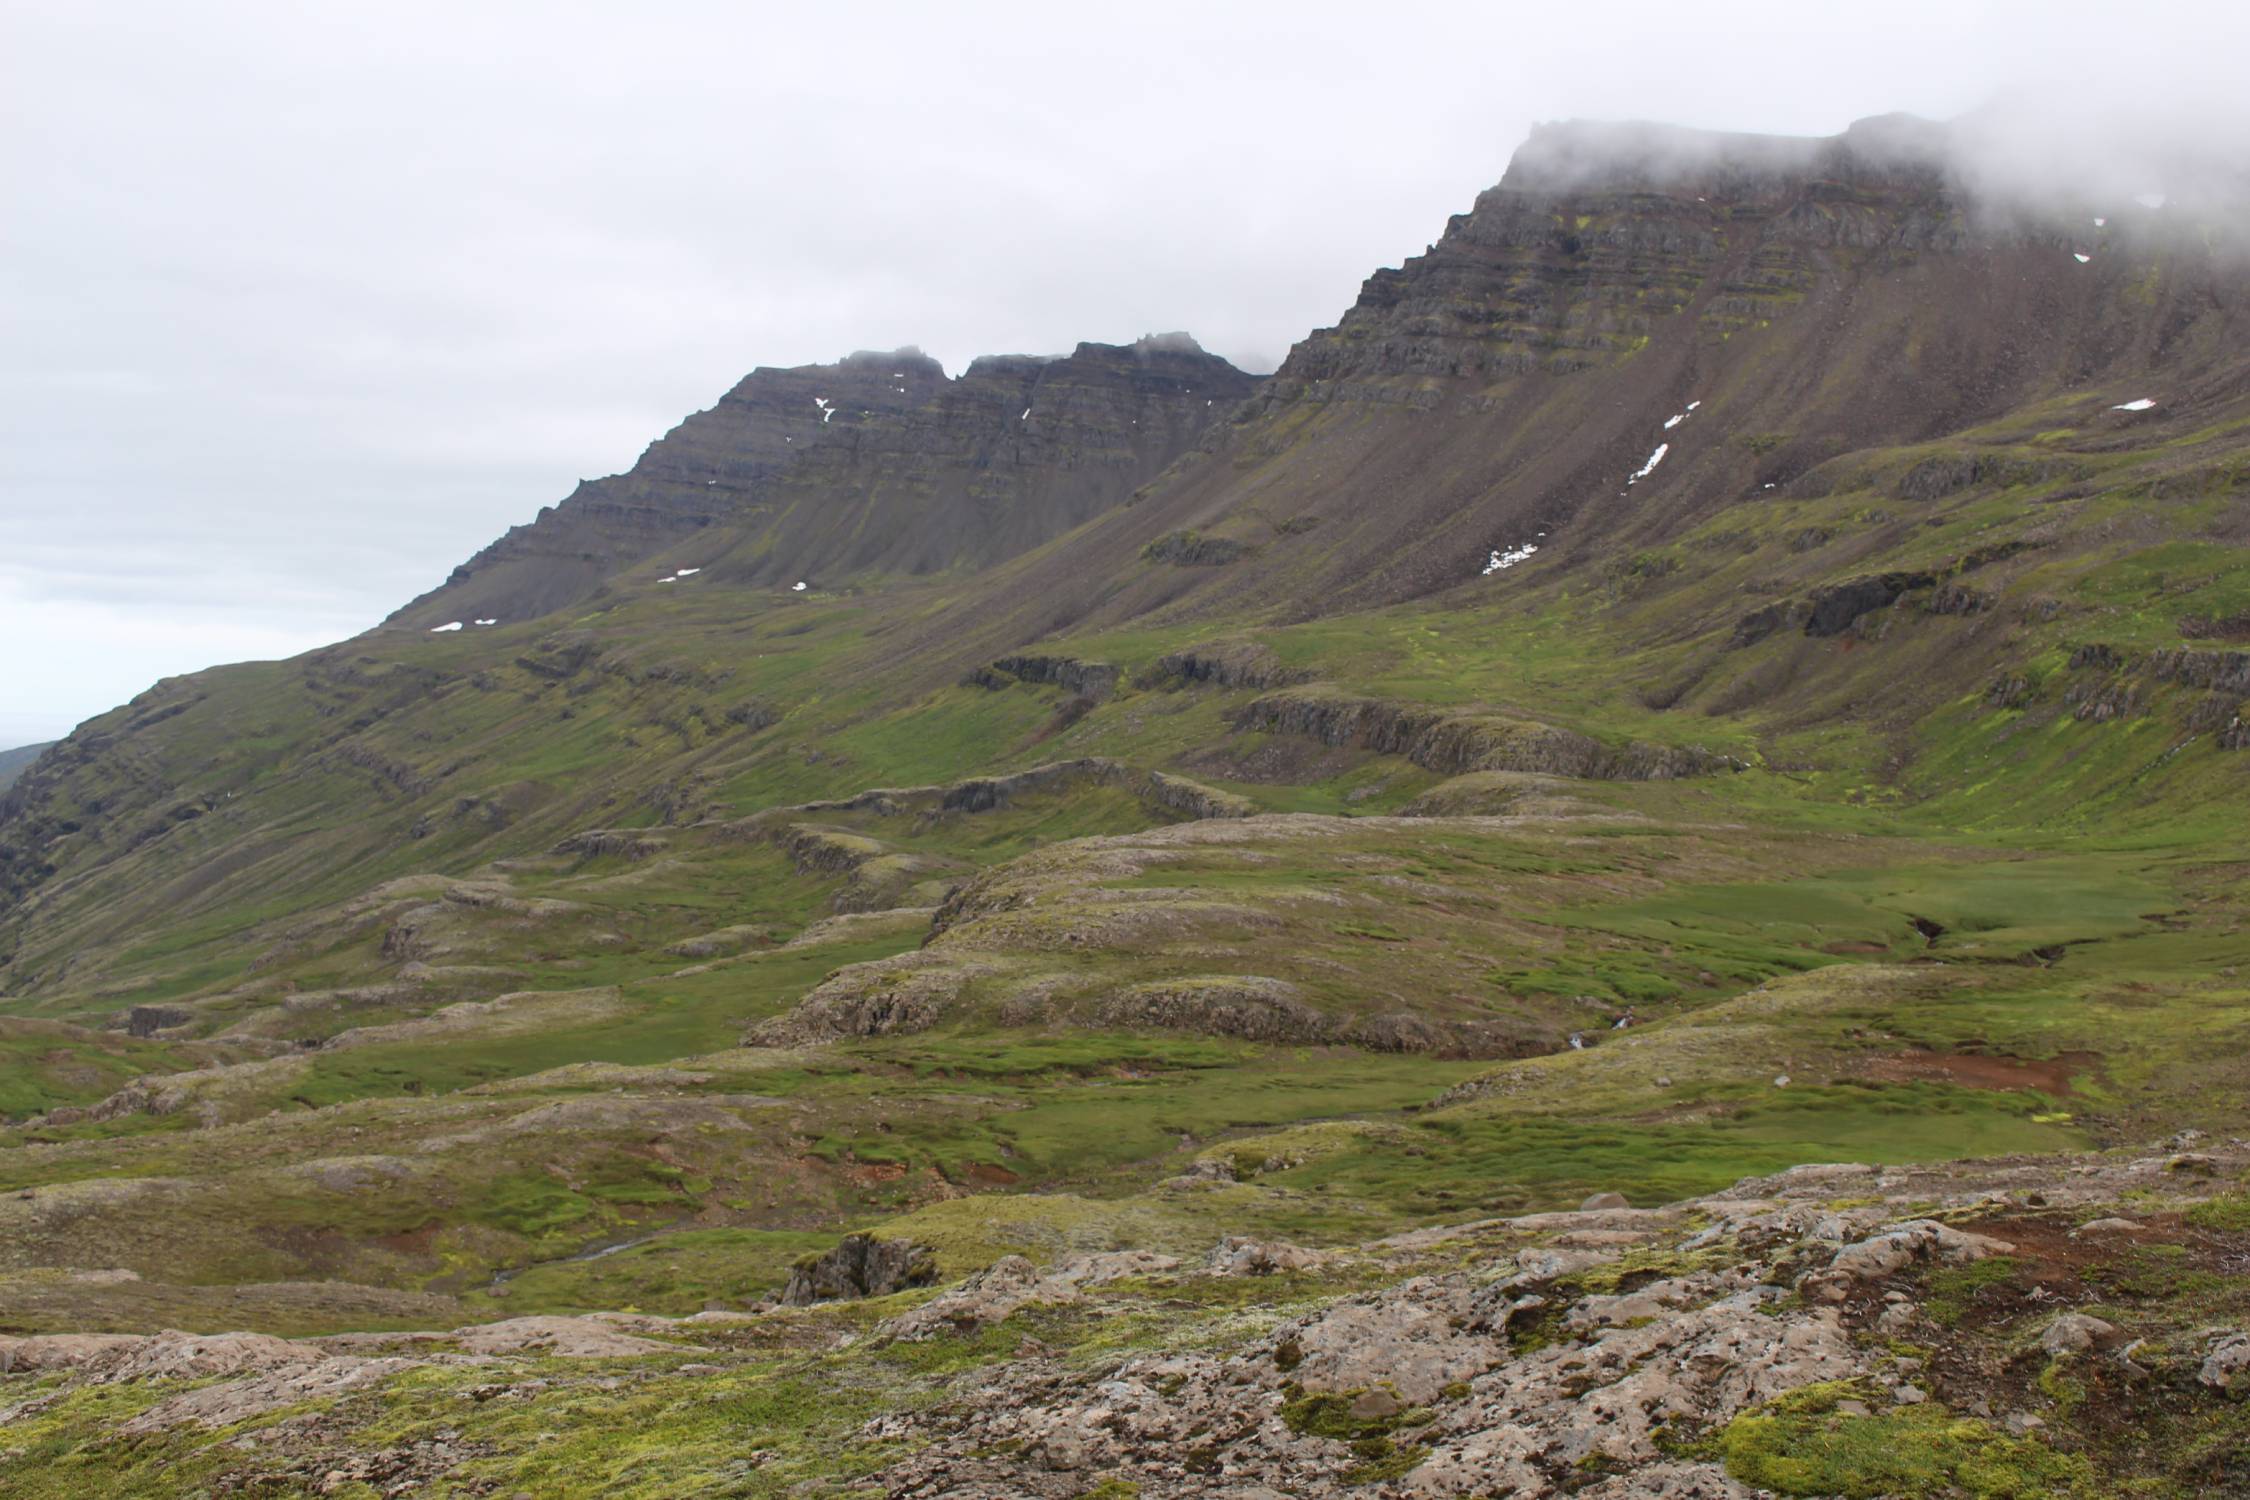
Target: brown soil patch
(984,1174)
(1979,1071)
(411,1241)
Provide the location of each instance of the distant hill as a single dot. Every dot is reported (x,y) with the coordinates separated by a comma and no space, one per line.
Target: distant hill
(14,763)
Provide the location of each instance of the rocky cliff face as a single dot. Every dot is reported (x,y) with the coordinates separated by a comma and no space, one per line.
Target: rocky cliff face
(698,475)
(877,462)
(1639,327)
(1598,233)
(1013,454)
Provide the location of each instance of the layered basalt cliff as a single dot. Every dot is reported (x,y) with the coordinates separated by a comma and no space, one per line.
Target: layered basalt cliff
(879,461)
(698,475)
(1016,452)
(1597,232)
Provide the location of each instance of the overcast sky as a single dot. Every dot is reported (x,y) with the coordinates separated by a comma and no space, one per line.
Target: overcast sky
(302,304)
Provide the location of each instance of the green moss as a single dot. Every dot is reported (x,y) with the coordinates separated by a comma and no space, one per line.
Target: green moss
(1801,1445)
(2230,1211)
(1950,1292)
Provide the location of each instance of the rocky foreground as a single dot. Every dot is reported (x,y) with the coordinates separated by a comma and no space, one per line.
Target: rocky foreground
(2015,1327)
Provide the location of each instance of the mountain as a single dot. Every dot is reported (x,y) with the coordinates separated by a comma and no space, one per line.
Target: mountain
(13,763)
(1648,830)
(880,461)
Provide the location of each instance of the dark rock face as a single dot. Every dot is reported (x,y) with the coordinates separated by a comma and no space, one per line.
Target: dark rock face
(1011,455)
(2217,671)
(694,477)
(148,1020)
(1234,664)
(877,462)
(860,1266)
(1453,744)
(1834,609)
(1597,232)
(1088,679)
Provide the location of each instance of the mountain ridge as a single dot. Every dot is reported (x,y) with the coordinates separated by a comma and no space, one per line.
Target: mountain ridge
(1240,954)
(948,447)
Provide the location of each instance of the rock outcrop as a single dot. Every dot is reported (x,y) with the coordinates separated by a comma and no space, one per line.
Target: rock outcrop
(860,1266)
(1452,744)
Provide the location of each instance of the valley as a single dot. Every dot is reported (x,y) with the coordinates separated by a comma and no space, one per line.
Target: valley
(1294,901)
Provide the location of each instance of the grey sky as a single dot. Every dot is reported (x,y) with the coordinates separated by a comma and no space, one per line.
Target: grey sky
(300,305)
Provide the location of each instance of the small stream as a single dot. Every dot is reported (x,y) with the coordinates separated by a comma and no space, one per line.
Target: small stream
(596,1252)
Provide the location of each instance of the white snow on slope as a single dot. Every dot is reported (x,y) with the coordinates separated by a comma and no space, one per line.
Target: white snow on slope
(1653,460)
(2143,404)
(2081,259)
(797,588)
(1508,559)
(442,629)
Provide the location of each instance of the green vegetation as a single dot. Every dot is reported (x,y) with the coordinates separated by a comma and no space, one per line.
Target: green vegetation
(1835,798)
(1802,1445)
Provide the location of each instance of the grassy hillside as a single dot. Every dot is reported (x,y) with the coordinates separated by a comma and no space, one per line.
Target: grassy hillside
(1422,802)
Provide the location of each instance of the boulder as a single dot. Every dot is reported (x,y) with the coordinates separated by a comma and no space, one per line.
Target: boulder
(860,1266)
(2075,1333)
(1892,1251)
(2227,1370)
(1237,1255)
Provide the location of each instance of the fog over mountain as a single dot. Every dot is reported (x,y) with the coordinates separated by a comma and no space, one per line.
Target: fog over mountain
(301,308)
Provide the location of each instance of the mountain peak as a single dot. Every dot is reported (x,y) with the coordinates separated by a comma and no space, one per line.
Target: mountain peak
(1576,155)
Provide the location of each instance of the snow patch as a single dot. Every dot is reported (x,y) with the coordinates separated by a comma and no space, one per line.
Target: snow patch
(797,588)
(1026,415)
(1502,560)
(488,622)
(2143,404)
(2081,259)
(2099,223)
(1653,460)
(826,411)
(685,572)
(442,629)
